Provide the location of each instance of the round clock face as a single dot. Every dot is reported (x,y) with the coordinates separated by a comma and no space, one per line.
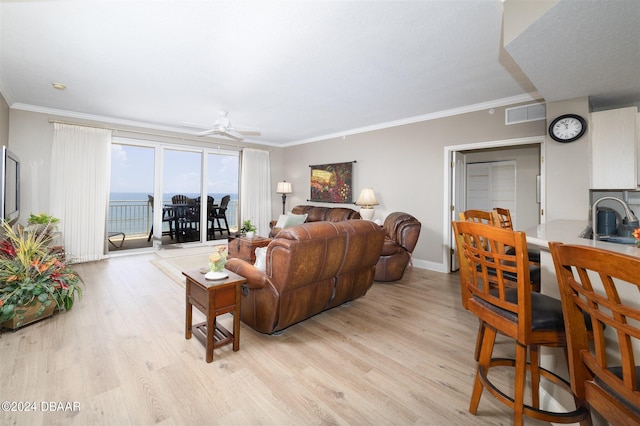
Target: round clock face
(567,128)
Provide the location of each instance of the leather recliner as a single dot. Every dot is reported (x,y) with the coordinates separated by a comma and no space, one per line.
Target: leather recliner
(309,268)
(402,231)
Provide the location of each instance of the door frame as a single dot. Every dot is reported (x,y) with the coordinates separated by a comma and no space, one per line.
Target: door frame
(454,184)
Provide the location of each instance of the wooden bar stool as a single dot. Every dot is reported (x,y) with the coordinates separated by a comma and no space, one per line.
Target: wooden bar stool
(594,284)
(501,218)
(512,309)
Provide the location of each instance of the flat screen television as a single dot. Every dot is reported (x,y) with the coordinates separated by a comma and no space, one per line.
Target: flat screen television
(10,186)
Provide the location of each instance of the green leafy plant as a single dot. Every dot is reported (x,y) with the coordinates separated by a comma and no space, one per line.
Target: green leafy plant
(247,226)
(42,219)
(30,272)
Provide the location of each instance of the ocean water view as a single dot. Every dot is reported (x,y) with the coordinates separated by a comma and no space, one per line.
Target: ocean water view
(131,212)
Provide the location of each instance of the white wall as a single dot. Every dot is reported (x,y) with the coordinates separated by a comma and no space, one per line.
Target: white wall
(4,122)
(568,166)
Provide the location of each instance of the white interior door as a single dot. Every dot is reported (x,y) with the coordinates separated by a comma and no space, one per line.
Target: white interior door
(491,185)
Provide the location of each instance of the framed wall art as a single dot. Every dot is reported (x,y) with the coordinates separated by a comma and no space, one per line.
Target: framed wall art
(332,183)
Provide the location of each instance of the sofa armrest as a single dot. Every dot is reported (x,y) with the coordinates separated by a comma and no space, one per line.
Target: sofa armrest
(391,247)
(256,278)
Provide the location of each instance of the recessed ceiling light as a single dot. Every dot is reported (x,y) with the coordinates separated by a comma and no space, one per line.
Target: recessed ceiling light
(58,86)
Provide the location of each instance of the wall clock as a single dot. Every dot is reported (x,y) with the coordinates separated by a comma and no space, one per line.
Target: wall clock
(567,128)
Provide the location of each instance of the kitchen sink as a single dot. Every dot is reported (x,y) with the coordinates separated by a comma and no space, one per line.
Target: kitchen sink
(616,239)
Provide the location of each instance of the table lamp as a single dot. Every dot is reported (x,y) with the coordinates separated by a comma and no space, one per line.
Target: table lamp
(284,188)
(367,199)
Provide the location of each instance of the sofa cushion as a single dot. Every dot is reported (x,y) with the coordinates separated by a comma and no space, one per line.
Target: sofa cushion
(261,258)
(295,219)
(281,221)
(317,214)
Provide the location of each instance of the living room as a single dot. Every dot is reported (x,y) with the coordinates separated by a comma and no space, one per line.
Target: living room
(406,165)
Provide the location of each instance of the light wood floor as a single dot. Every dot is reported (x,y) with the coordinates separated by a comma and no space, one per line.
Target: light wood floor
(401,355)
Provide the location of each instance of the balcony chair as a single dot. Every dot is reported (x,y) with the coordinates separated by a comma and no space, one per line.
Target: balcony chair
(501,296)
(186,215)
(211,209)
(604,372)
(167,216)
(220,213)
(116,243)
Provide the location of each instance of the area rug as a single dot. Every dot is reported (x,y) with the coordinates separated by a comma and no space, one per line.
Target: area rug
(173,261)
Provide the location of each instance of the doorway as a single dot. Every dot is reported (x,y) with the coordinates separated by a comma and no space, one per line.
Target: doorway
(529,183)
(491,184)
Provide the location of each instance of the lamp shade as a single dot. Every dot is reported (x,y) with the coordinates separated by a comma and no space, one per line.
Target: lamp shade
(284,187)
(367,198)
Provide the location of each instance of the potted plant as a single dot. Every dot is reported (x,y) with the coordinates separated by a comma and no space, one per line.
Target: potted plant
(37,223)
(248,229)
(33,280)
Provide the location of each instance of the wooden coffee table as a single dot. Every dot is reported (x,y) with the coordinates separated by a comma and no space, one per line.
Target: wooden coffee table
(213,298)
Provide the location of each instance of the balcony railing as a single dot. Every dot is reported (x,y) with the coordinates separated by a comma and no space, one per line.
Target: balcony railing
(135,217)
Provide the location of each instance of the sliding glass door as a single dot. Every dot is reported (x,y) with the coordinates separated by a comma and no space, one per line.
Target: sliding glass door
(181,194)
(222,181)
(129,217)
(170,194)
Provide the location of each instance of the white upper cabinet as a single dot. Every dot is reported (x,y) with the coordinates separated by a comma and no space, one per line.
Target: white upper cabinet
(614,149)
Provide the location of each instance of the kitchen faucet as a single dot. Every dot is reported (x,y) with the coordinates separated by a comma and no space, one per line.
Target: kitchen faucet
(594,214)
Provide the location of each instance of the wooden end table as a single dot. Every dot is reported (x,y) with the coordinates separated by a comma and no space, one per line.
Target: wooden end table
(213,298)
(245,248)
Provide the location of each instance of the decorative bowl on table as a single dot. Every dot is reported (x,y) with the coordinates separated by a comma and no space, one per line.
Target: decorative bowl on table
(216,275)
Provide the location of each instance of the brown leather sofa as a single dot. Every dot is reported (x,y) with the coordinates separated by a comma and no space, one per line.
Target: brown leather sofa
(319,214)
(309,268)
(402,231)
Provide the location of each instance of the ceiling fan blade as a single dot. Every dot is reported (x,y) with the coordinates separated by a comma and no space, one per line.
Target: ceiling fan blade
(249,132)
(207,132)
(232,134)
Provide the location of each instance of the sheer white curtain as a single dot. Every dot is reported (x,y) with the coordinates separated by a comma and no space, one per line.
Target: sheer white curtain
(255,189)
(79,193)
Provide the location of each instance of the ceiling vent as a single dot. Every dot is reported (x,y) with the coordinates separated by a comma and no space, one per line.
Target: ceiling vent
(522,114)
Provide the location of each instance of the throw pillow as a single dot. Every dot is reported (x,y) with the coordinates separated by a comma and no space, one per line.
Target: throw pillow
(261,258)
(295,219)
(282,220)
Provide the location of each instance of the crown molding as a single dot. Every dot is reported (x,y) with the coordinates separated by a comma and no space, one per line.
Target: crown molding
(410,120)
(98,118)
(426,117)
(122,122)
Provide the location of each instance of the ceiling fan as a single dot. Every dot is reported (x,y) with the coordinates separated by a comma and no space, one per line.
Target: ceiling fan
(222,126)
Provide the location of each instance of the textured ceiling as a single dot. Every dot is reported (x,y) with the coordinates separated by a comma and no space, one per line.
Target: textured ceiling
(296,70)
(584,48)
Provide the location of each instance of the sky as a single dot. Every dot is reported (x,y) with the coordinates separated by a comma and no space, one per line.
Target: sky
(132,170)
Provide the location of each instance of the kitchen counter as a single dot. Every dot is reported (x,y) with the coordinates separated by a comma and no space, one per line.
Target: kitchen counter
(567,232)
